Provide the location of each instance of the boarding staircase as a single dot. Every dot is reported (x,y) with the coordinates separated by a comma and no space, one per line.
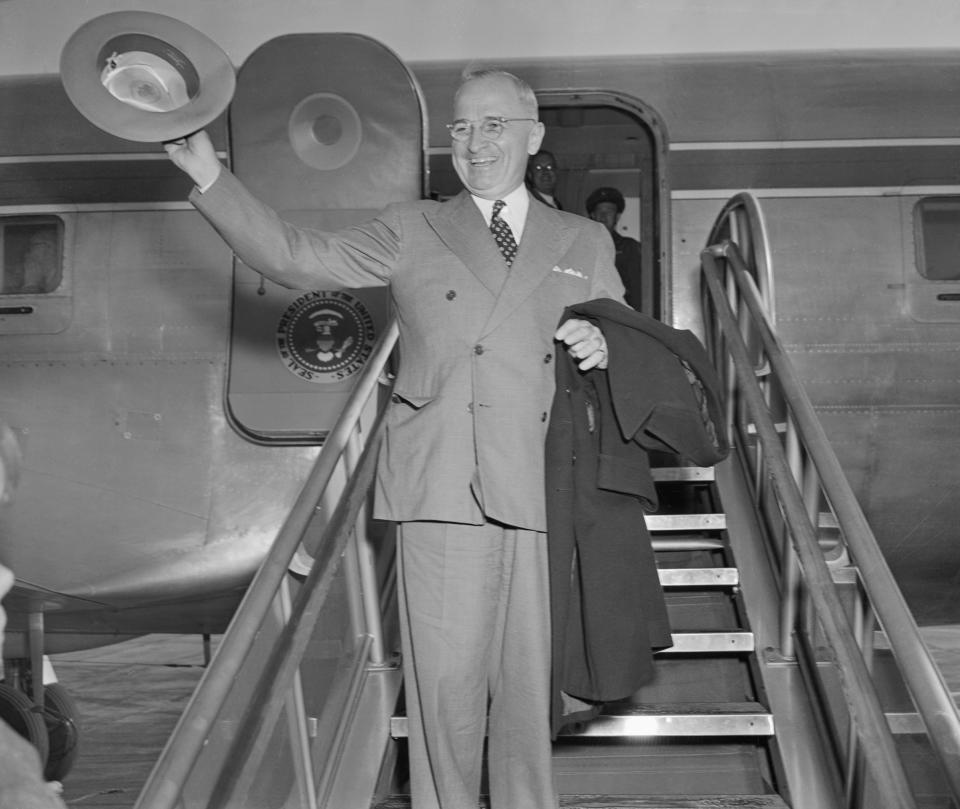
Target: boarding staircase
(701,729)
(700,733)
(797,677)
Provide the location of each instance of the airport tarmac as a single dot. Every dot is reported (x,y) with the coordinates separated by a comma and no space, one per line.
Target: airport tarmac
(129,697)
(131,694)
(944,645)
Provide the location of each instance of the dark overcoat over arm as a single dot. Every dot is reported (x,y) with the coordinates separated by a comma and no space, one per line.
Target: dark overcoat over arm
(659,392)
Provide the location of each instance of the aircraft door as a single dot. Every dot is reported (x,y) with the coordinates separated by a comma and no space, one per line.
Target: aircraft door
(327,129)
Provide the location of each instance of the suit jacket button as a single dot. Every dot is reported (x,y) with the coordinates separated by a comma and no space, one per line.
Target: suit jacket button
(478,349)
(451,295)
(395,398)
(469,407)
(547,358)
(543,417)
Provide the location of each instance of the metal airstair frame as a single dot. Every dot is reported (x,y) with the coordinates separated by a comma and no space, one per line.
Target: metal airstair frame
(615,756)
(817,595)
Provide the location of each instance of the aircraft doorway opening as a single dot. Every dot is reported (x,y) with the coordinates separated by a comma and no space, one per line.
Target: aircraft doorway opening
(610,146)
(600,139)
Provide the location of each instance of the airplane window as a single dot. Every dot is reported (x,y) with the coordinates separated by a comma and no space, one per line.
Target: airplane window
(32,252)
(937,230)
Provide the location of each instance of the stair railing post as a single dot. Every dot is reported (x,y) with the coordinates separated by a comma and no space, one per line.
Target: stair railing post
(366,564)
(789,605)
(733,297)
(811,496)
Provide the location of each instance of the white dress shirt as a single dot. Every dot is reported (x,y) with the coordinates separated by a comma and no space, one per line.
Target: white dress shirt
(514,212)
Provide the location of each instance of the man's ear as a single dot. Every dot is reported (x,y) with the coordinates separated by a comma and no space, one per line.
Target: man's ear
(535,138)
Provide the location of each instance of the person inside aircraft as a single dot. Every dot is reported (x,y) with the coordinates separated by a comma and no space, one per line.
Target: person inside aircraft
(542,178)
(39,262)
(31,260)
(605,205)
(21,773)
(461,469)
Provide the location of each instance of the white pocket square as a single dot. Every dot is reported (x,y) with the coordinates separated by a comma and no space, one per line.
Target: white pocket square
(570,271)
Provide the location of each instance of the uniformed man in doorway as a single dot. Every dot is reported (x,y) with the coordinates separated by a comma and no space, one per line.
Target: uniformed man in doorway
(605,205)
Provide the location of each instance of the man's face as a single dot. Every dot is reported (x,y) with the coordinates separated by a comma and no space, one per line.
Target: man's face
(606,213)
(543,172)
(493,168)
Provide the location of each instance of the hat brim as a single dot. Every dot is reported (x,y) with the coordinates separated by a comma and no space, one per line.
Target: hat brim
(210,76)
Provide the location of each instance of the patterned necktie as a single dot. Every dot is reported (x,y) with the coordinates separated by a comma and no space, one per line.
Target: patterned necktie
(503,234)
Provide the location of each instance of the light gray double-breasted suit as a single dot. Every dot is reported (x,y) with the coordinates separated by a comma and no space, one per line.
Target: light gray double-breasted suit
(476,374)
(464,441)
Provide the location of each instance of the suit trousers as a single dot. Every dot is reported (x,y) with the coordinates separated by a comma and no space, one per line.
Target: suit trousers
(475,628)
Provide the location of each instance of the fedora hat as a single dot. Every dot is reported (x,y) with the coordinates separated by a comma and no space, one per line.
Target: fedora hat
(145,77)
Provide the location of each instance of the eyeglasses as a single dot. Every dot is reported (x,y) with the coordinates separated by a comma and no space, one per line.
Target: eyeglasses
(491,128)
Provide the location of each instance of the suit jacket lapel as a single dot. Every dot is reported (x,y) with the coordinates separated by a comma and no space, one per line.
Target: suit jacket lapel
(545,240)
(460,226)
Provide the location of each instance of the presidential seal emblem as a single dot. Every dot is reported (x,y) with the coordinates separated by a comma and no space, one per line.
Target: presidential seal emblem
(325,336)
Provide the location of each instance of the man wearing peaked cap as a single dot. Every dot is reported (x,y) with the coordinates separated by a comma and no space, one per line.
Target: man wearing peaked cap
(605,205)
(605,194)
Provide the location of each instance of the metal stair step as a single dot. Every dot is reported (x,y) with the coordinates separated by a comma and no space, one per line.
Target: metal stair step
(699,576)
(710,643)
(672,802)
(683,474)
(649,721)
(905,723)
(716,521)
(682,719)
(687,543)
(633,802)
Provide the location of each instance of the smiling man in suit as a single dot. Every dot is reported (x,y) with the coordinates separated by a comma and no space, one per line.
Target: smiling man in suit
(461,468)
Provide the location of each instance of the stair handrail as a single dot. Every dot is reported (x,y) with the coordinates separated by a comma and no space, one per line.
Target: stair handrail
(757,231)
(859,693)
(930,693)
(251,739)
(166,782)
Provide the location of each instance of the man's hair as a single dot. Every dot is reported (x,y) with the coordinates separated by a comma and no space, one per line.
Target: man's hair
(524,91)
